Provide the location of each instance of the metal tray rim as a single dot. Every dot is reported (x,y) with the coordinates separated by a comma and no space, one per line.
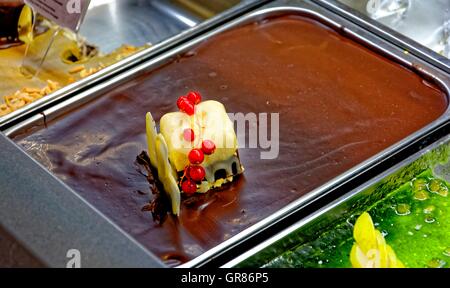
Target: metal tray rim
(306,8)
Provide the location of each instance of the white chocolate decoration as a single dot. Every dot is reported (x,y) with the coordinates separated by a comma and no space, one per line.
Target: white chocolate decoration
(168,150)
(158,153)
(210,122)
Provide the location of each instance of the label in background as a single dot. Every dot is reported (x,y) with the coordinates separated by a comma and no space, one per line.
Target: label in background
(66,13)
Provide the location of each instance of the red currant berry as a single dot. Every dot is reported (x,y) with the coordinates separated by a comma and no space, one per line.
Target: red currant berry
(185,105)
(180,102)
(196,156)
(194,97)
(208,147)
(188,135)
(189,187)
(197,173)
(188,108)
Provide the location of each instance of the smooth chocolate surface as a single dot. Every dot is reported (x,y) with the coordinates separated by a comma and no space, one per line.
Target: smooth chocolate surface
(339,104)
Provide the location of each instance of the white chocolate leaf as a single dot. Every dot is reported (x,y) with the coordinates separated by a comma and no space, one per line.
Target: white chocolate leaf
(151,138)
(165,174)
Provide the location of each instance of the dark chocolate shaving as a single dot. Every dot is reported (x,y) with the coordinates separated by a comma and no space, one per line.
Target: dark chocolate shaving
(140,192)
(194,200)
(160,205)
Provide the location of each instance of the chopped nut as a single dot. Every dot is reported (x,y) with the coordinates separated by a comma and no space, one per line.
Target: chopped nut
(4,109)
(77,69)
(31,90)
(36,95)
(10,98)
(53,85)
(83,73)
(27,98)
(46,91)
(16,103)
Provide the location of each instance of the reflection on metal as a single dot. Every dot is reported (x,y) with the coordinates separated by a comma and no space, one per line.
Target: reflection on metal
(133,22)
(111,23)
(177,13)
(427,22)
(206,8)
(97,3)
(379,9)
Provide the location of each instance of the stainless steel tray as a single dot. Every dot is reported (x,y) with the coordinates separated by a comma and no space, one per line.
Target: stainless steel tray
(112,23)
(436,157)
(277,8)
(406,43)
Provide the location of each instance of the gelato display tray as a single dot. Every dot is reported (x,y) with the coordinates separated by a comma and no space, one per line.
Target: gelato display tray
(408,203)
(419,27)
(329,87)
(123,32)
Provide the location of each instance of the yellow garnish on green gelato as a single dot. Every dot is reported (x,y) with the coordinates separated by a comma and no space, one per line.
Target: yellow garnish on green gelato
(370,249)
